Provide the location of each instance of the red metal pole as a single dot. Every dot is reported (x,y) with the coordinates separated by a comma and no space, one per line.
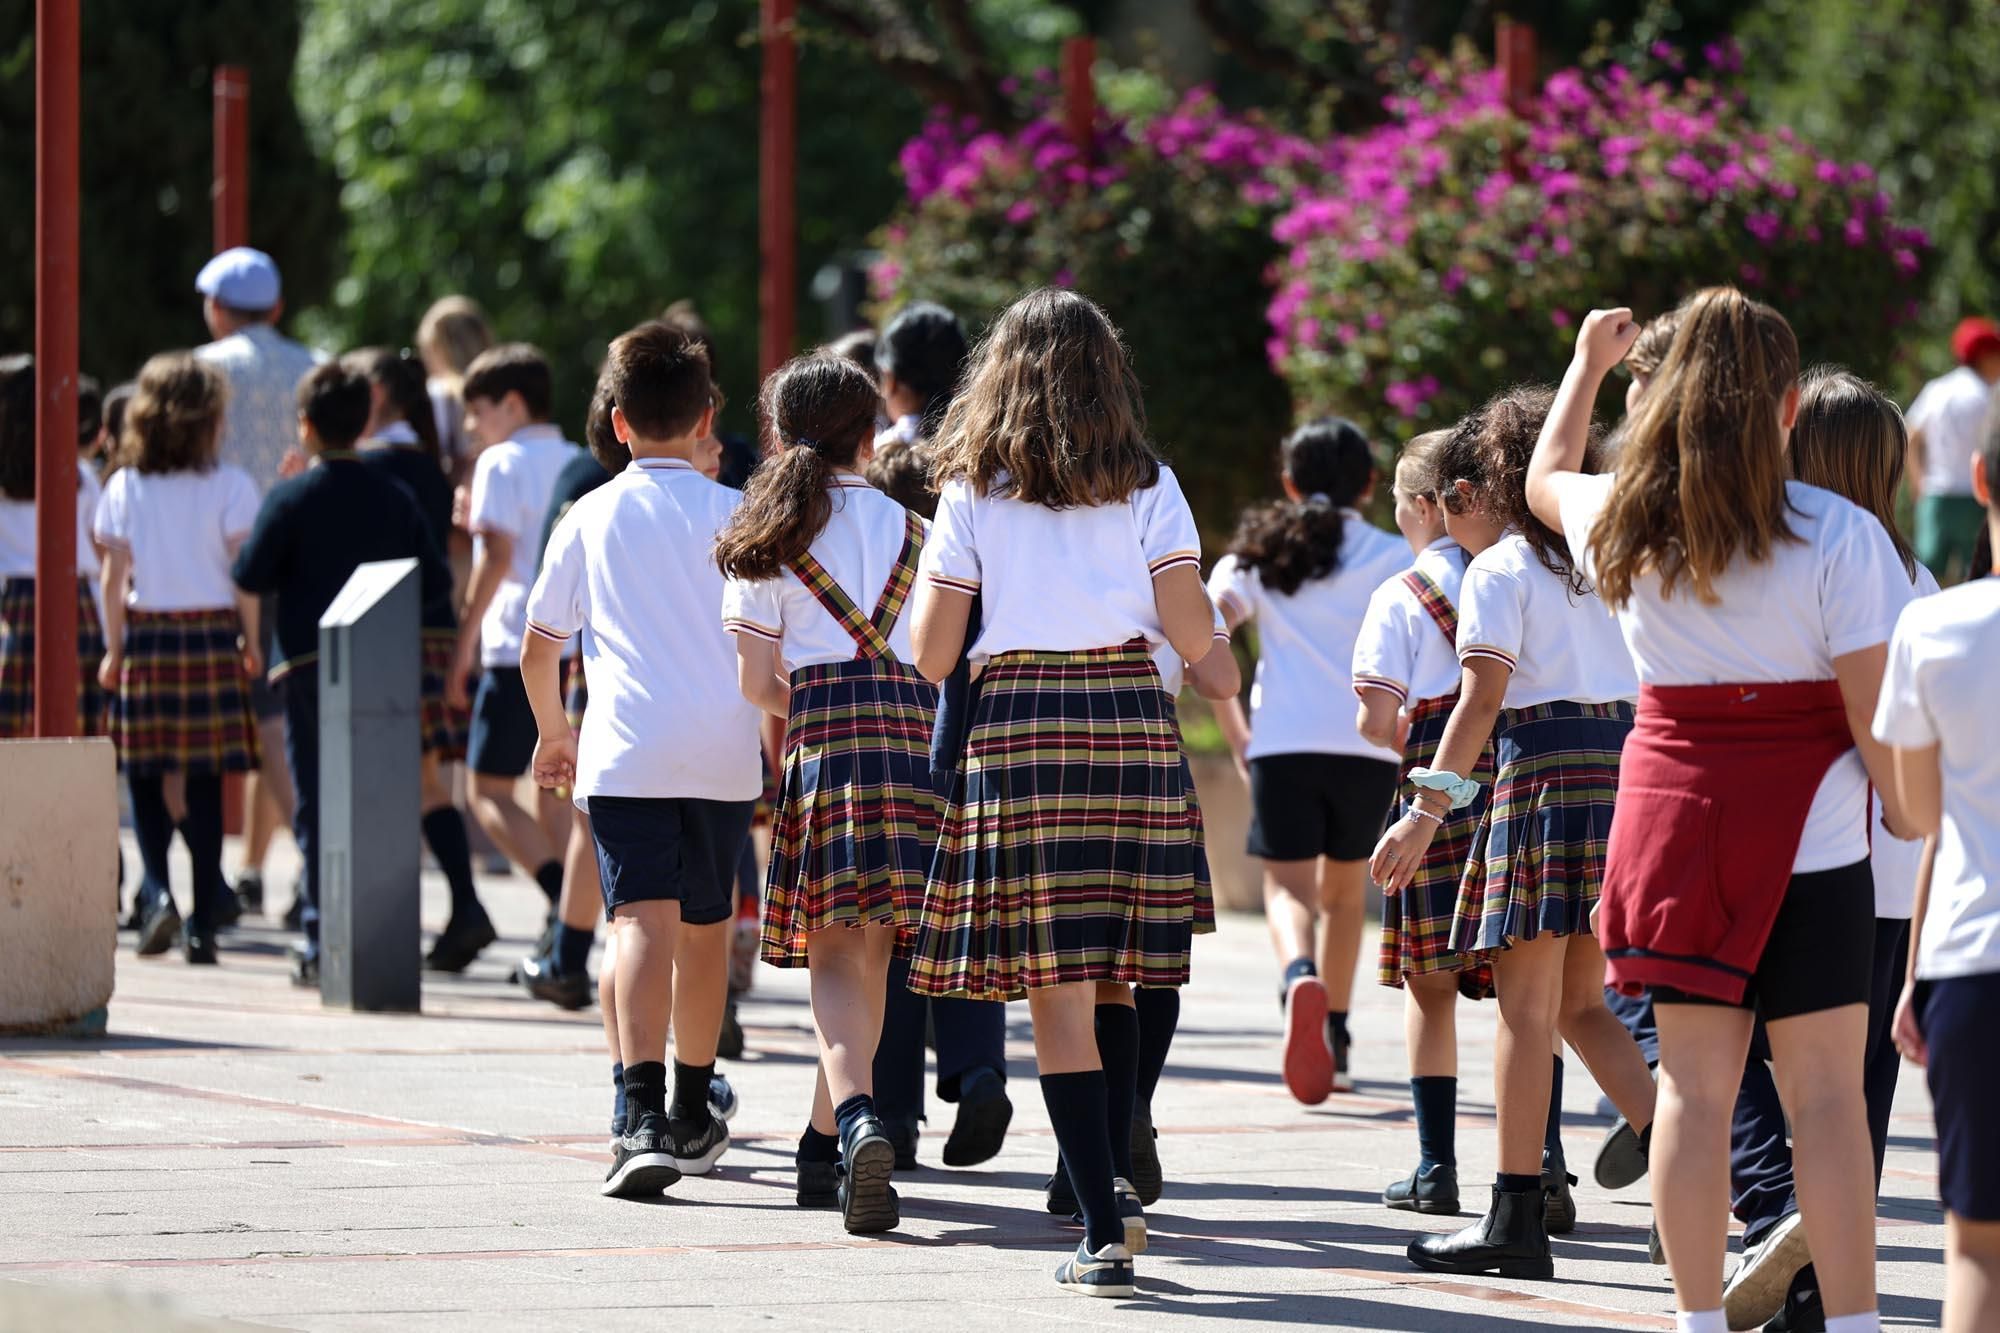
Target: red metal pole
(1079,91)
(1514,49)
(230,191)
(777,171)
(56,136)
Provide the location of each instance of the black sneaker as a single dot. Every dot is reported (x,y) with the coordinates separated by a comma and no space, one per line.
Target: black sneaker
(198,948)
(295,915)
(729,1041)
(819,1185)
(228,909)
(459,943)
(1428,1189)
(1147,1178)
(1340,1043)
(983,1116)
(903,1133)
(564,990)
(1061,1195)
(1131,1213)
(723,1102)
(305,968)
(641,1163)
(1621,1161)
(868,1203)
(1106,1273)
(1806,1314)
(696,1149)
(159,925)
(250,891)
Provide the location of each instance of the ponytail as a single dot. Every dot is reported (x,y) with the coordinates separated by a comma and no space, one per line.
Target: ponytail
(1290,543)
(401,376)
(817,412)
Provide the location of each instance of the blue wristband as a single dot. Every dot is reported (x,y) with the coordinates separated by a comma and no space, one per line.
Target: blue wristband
(1461,791)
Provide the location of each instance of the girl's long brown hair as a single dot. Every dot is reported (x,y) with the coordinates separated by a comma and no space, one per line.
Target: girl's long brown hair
(1701,472)
(174,421)
(1489,451)
(1050,412)
(817,411)
(1851,440)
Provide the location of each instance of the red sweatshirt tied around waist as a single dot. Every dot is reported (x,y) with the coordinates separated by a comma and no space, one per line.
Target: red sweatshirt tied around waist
(1713,794)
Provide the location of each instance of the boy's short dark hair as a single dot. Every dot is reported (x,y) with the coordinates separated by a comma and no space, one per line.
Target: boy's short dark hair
(336,401)
(511,368)
(658,376)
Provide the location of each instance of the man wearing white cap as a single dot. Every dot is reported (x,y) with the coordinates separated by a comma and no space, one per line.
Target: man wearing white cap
(241,300)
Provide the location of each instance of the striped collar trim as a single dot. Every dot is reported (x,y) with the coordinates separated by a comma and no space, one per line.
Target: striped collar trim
(663,465)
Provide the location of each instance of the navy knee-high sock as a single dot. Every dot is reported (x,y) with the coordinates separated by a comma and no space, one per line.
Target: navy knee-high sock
(1159,1011)
(444,832)
(1076,1105)
(155,830)
(1436,1099)
(201,830)
(1552,1143)
(1118,1048)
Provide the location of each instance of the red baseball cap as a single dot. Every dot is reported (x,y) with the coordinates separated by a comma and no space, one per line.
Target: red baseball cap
(1974,337)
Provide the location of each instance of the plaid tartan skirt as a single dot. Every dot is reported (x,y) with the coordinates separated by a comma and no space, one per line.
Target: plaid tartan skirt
(183,701)
(17,660)
(442,727)
(857,819)
(1537,861)
(1204,888)
(1070,846)
(1416,923)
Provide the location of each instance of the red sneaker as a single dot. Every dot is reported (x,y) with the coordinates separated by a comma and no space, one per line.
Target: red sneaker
(1308,1062)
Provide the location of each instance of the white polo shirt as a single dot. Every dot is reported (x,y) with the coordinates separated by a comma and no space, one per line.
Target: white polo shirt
(17,530)
(632,566)
(1060,580)
(858,549)
(1835,591)
(1401,649)
(1299,701)
(182,530)
(1560,645)
(512,484)
(1951,412)
(1894,861)
(1937,691)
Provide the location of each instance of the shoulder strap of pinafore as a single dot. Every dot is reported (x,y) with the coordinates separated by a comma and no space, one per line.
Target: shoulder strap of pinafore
(1435,604)
(870,635)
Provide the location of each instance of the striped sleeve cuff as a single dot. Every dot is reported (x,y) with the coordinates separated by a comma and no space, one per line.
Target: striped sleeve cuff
(110,542)
(547,633)
(1222,636)
(1383,683)
(738,625)
(1488,650)
(1173,560)
(967,586)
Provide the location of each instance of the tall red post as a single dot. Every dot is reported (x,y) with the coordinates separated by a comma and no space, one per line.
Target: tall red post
(1079,92)
(230,190)
(1514,50)
(777,177)
(56,299)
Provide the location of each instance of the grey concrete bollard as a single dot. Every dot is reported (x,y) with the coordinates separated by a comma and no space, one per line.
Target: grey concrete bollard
(369,790)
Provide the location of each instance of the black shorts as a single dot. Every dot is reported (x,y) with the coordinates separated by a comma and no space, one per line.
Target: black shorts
(1956,1015)
(676,848)
(1308,805)
(1821,951)
(502,742)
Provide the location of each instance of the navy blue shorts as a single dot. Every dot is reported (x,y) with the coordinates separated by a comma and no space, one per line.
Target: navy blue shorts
(502,742)
(675,848)
(1957,1016)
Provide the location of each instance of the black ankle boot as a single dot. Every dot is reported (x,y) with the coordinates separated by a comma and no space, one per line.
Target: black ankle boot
(1510,1241)
(1428,1189)
(1558,1204)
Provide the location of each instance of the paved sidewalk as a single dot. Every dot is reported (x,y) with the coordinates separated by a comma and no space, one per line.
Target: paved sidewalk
(233,1152)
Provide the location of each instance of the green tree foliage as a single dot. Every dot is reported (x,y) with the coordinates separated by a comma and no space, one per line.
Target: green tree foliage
(1908,85)
(146,162)
(575,165)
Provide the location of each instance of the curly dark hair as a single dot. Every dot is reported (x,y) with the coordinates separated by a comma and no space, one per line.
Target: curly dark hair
(1489,451)
(901,469)
(1291,542)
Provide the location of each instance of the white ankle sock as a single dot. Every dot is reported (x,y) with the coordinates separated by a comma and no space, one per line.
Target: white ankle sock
(1702,1321)
(1855,1323)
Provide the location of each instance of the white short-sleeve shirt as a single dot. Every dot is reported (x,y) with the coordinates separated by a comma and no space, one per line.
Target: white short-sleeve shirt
(1401,649)
(632,566)
(1835,591)
(1951,412)
(182,529)
(1299,701)
(17,530)
(512,484)
(1937,691)
(1896,861)
(1559,643)
(1060,580)
(858,549)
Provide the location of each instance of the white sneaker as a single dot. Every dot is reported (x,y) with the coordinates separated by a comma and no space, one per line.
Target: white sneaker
(1756,1290)
(1106,1273)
